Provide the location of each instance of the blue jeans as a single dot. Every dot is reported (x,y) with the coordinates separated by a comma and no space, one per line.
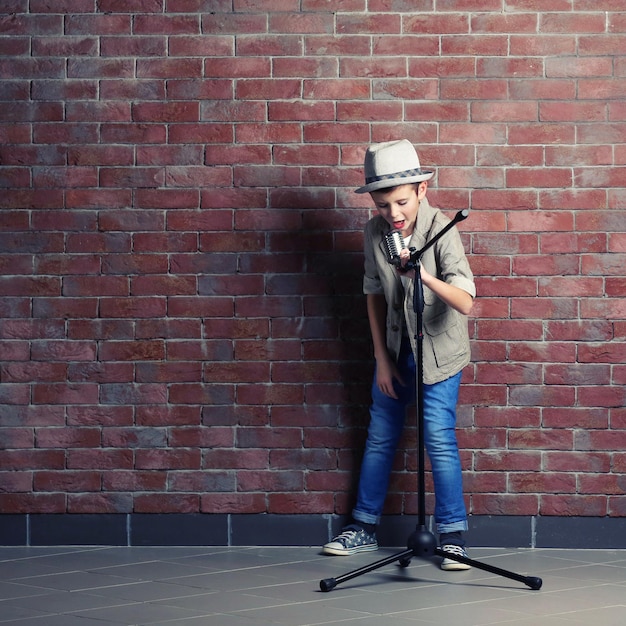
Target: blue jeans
(387,417)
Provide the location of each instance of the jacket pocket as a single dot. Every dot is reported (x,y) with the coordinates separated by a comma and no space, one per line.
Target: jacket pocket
(448,341)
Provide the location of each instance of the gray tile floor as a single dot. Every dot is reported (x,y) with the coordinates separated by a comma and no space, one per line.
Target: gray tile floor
(78,586)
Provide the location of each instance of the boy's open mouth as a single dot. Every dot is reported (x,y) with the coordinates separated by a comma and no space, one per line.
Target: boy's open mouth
(398,225)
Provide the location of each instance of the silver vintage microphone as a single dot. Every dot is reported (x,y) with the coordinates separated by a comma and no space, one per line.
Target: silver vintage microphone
(394,244)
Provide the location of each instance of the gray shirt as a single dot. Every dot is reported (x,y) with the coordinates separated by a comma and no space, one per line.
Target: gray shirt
(446,348)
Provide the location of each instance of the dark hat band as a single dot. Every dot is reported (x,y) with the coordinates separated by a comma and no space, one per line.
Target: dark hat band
(405,174)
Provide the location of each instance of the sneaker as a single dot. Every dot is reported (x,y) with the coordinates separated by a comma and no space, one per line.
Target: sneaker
(350,541)
(451,565)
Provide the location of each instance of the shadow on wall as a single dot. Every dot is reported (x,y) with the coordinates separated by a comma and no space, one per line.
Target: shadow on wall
(323,252)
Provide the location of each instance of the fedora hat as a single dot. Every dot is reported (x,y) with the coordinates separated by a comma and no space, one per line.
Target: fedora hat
(390,164)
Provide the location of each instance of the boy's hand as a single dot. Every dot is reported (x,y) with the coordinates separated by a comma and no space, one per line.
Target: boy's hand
(386,373)
(405,256)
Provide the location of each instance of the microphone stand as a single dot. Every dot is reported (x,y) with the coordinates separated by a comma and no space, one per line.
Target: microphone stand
(422,543)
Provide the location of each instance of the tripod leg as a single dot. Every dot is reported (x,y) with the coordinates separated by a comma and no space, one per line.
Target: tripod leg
(328,584)
(530,581)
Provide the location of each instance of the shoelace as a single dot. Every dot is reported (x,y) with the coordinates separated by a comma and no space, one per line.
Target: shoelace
(454,549)
(347,535)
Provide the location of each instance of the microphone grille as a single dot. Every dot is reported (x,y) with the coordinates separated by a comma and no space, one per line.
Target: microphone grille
(395,244)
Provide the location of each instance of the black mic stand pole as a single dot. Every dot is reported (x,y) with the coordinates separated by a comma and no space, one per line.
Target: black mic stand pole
(422,543)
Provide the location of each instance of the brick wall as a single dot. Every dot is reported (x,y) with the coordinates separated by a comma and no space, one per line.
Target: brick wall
(182,328)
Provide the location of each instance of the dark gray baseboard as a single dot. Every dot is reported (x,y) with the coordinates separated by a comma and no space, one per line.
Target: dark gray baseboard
(295,530)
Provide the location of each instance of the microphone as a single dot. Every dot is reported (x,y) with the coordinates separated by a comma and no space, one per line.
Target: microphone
(394,244)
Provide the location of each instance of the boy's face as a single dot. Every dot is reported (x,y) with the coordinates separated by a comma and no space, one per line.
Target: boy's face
(399,205)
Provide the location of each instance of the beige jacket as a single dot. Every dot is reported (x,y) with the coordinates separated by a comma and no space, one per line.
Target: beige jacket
(446,348)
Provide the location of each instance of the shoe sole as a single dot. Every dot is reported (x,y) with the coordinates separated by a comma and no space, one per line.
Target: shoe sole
(348,551)
(454,566)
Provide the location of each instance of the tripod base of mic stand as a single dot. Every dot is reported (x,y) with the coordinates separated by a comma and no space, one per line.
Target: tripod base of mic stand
(422,544)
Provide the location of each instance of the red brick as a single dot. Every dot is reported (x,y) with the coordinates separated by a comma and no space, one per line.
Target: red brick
(567,23)
(493,45)
(495,22)
(32,68)
(579,67)
(509,373)
(126,89)
(545,89)
(15,46)
(167,459)
(337,45)
(500,461)
(91,503)
(248,503)
(62,6)
(300,503)
(24,372)
(542,482)
(32,503)
(68,437)
(166,24)
(270,481)
(15,133)
(573,417)
(101,198)
(100,68)
(504,112)
(200,46)
(66,481)
(599,463)
(308,67)
(170,112)
(121,6)
(167,415)
(169,68)
(99,415)
(204,481)
(576,505)
(603,396)
(32,24)
(477,438)
(166,503)
(237,68)
(600,440)
(65,133)
(269,45)
(551,396)
(484,482)
(575,286)
(134,481)
(504,504)
(32,459)
(598,88)
(532,44)
(213,438)
(601,44)
(253,89)
(133,45)
(17,482)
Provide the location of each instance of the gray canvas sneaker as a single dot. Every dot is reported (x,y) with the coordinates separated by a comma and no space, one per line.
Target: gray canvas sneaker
(450,565)
(350,541)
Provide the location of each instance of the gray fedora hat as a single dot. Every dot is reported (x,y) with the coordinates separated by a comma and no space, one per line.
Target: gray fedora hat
(390,164)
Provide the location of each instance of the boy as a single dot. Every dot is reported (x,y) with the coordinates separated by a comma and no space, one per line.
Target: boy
(398,185)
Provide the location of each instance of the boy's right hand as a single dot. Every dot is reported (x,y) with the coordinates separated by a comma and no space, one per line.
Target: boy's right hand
(386,373)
